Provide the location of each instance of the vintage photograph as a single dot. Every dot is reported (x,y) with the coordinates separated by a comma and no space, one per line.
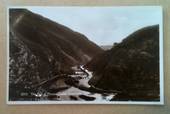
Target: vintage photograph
(95,55)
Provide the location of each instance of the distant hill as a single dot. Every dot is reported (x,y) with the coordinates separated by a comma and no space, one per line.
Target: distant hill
(131,67)
(106,47)
(41,48)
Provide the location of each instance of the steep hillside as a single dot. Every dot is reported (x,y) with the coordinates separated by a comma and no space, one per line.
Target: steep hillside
(41,48)
(131,66)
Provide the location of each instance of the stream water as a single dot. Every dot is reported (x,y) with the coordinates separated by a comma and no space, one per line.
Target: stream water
(67,92)
(73,93)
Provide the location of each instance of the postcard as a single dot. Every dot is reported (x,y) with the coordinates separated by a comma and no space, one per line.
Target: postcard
(85,55)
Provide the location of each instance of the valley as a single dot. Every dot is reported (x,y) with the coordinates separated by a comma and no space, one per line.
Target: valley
(51,62)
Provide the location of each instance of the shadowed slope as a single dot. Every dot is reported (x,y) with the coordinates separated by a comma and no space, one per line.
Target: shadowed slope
(131,66)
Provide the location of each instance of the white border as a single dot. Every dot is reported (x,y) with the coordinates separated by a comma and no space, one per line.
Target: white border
(161,102)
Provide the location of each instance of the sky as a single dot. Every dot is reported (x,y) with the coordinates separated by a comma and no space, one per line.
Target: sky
(103,25)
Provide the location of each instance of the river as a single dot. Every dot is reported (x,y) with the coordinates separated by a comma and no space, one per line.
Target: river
(74,93)
(62,91)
